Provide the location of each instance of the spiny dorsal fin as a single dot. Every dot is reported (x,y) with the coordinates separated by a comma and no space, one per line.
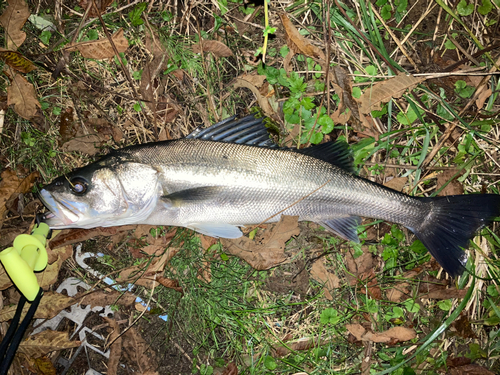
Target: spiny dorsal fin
(247,130)
(336,153)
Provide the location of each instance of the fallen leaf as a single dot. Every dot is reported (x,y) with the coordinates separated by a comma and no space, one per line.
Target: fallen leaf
(103,298)
(454,187)
(381,92)
(392,335)
(330,280)
(248,81)
(400,291)
(269,250)
(305,343)
(231,369)
(297,42)
(67,126)
(17,61)
(148,278)
(217,48)
(45,342)
(103,127)
(481,99)
(441,294)
(71,236)
(101,49)
(152,89)
(137,351)
(358,266)
(115,351)
(463,328)
(100,4)
(457,361)
(342,83)
(21,94)
(169,283)
(50,274)
(471,369)
(45,366)
(397,183)
(13,19)
(11,186)
(50,305)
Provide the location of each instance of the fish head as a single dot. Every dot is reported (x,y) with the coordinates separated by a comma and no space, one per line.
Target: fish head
(106,193)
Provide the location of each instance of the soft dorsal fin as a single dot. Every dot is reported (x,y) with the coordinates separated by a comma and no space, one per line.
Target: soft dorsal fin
(247,130)
(336,153)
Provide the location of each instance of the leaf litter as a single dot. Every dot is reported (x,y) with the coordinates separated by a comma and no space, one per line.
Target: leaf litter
(361,274)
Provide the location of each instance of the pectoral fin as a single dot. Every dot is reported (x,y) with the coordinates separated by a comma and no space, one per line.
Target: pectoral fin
(194,195)
(217,229)
(346,227)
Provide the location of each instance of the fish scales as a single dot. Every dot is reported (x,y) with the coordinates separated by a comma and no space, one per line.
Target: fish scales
(229,175)
(256,189)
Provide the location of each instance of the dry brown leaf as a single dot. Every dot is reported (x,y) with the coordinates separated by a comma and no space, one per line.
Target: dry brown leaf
(339,117)
(330,280)
(397,183)
(45,342)
(441,294)
(44,366)
(51,304)
(105,298)
(454,187)
(21,94)
(169,283)
(217,48)
(71,236)
(381,92)
(305,343)
(50,274)
(231,369)
(17,61)
(483,95)
(391,336)
(359,266)
(13,19)
(269,250)
(297,42)
(11,186)
(400,291)
(137,351)
(471,369)
(248,81)
(100,4)
(115,351)
(104,128)
(101,49)
(147,278)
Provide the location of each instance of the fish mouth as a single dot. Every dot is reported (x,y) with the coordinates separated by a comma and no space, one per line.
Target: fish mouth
(61,214)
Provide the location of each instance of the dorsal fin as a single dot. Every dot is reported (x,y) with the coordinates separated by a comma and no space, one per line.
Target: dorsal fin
(335,152)
(247,130)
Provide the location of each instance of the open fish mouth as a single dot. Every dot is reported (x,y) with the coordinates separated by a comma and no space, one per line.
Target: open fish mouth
(60,215)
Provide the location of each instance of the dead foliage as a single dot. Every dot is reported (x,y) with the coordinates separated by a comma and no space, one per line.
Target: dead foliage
(392,336)
(267,250)
(101,49)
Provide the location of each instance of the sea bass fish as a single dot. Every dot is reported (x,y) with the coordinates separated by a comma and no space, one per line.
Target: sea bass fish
(232,174)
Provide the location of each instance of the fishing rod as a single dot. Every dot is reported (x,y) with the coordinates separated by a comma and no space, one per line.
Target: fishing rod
(27,255)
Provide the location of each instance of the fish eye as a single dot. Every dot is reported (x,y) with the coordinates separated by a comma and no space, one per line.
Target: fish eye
(78,185)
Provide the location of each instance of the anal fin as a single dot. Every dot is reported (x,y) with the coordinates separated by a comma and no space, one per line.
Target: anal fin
(222,230)
(345,227)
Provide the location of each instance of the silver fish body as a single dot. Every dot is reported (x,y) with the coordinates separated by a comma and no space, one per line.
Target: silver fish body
(214,187)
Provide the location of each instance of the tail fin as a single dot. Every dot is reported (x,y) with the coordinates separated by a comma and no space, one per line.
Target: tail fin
(451,224)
